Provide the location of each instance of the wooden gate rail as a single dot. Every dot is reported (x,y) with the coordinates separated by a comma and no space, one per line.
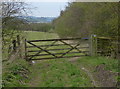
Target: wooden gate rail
(48,51)
(49,45)
(57,57)
(58,39)
(56,53)
(58,49)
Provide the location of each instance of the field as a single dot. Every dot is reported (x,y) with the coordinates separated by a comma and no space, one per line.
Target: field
(34,35)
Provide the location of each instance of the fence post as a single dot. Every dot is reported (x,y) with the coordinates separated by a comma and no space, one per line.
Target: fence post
(25,50)
(18,40)
(118,47)
(14,45)
(96,46)
(19,45)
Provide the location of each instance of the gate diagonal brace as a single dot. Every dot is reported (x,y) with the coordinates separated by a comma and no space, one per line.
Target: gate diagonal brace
(41,49)
(71,48)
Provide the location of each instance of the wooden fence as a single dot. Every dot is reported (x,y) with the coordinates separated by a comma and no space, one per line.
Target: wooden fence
(15,50)
(63,48)
(105,46)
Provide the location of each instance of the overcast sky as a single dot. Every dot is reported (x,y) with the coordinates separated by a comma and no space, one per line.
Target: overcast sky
(46,9)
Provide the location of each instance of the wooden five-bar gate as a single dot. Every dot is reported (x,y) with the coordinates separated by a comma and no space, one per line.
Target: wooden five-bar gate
(56,48)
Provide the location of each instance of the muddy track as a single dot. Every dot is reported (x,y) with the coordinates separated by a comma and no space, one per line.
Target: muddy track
(74,61)
(101,77)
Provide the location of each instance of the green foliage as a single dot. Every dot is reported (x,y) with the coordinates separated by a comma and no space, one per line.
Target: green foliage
(15,74)
(42,27)
(7,38)
(13,23)
(58,73)
(11,27)
(81,19)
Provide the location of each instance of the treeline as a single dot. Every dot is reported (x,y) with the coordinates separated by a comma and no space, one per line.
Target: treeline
(15,23)
(43,27)
(80,19)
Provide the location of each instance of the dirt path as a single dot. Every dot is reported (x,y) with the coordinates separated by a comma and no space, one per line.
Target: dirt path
(35,79)
(74,61)
(90,75)
(36,73)
(34,82)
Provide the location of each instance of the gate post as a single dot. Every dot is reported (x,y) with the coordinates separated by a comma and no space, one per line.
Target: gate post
(93,45)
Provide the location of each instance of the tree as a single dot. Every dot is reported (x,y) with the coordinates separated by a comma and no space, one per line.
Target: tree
(80,19)
(12,9)
(10,23)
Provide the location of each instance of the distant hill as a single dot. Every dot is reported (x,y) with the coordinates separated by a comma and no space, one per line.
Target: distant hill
(33,19)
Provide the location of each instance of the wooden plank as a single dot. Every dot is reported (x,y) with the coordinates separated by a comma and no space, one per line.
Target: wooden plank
(25,50)
(57,53)
(49,45)
(58,49)
(57,57)
(57,39)
(45,45)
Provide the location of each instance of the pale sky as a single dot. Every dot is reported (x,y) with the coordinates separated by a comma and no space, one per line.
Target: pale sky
(46,9)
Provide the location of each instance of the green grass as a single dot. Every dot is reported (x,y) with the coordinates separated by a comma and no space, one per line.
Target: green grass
(91,63)
(61,73)
(39,35)
(110,64)
(58,73)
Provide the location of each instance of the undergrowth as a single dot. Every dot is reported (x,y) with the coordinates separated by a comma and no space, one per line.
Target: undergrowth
(15,74)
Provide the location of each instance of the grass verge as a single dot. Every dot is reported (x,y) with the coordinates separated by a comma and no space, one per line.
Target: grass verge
(15,74)
(110,64)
